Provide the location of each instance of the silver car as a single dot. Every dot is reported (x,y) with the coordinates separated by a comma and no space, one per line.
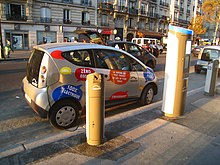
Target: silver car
(206,56)
(56,73)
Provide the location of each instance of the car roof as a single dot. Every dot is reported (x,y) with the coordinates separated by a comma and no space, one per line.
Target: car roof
(69,46)
(122,42)
(212,47)
(66,46)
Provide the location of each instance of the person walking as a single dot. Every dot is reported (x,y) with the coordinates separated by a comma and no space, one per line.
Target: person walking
(8,48)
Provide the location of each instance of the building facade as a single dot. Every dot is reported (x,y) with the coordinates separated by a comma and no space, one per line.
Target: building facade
(30,22)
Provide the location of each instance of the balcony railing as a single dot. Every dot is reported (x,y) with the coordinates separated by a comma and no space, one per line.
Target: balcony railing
(67,21)
(86,22)
(16,17)
(106,5)
(122,9)
(86,3)
(104,24)
(181,9)
(162,3)
(182,21)
(163,17)
(67,1)
(45,20)
(143,12)
(133,11)
(153,15)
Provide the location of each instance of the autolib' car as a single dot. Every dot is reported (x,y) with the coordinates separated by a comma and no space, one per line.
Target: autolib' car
(206,56)
(142,54)
(56,73)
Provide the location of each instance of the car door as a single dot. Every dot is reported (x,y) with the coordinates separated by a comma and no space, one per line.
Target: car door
(121,82)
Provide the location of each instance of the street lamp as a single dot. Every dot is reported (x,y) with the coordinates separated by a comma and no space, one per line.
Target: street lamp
(1,44)
(217,18)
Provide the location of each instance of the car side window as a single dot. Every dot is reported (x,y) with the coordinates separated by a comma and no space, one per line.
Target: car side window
(80,57)
(133,49)
(108,59)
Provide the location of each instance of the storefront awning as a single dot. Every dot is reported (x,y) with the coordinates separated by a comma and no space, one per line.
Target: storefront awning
(107,31)
(151,34)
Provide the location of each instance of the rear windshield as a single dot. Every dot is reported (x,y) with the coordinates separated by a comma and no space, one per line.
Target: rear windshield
(33,66)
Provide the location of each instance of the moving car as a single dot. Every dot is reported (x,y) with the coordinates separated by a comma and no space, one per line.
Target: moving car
(142,54)
(196,50)
(56,73)
(206,56)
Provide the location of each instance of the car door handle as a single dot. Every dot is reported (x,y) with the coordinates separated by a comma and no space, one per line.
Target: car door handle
(133,79)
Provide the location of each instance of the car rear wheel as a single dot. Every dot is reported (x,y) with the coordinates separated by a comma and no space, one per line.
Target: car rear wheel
(64,114)
(147,95)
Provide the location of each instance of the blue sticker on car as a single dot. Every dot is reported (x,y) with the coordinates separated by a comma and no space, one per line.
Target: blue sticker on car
(67,91)
(149,75)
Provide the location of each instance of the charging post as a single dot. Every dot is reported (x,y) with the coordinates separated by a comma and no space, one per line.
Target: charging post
(95,109)
(177,70)
(211,78)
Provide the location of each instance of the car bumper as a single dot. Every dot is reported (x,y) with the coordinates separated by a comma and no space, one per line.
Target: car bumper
(36,98)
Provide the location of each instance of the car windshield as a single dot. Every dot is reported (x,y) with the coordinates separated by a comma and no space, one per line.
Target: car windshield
(210,54)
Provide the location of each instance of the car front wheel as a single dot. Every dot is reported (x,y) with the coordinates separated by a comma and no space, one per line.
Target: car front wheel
(147,95)
(64,114)
(197,69)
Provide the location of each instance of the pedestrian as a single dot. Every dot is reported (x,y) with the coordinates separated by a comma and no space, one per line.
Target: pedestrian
(8,48)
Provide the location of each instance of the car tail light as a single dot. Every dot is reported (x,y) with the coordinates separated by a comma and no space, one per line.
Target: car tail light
(42,80)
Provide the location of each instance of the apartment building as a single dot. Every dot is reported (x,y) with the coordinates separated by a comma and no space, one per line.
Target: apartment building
(30,22)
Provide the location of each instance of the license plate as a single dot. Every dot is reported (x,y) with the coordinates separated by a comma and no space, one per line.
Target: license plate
(27,98)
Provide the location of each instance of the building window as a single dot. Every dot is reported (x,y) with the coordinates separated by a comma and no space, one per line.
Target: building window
(131,23)
(85,18)
(15,12)
(104,20)
(66,16)
(45,14)
(86,2)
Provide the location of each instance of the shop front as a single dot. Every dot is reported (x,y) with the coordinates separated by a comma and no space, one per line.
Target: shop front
(18,39)
(44,37)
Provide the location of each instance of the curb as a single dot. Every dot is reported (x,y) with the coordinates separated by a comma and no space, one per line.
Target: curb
(13,59)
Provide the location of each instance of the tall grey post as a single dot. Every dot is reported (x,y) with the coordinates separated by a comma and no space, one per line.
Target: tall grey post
(211,78)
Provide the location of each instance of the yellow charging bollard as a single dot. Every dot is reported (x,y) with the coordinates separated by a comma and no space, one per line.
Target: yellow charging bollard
(95,109)
(177,70)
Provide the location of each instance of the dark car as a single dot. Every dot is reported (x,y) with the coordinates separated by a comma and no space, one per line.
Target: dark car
(140,53)
(90,36)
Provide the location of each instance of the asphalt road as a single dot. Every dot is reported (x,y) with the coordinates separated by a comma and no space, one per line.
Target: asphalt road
(20,124)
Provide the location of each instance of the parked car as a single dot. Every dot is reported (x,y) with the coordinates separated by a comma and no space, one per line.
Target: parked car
(146,42)
(90,36)
(142,54)
(196,50)
(206,56)
(56,73)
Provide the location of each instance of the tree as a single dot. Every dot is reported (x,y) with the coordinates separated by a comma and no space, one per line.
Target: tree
(197,25)
(211,12)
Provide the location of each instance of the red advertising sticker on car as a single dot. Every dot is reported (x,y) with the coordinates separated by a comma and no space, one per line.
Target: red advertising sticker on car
(57,54)
(81,73)
(119,77)
(119,95)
